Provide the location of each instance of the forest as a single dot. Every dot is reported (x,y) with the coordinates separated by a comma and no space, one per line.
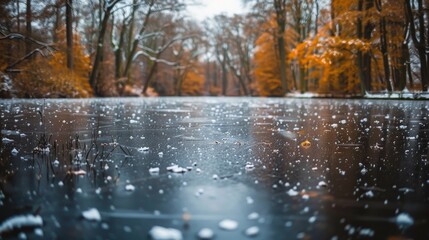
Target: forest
(108,48)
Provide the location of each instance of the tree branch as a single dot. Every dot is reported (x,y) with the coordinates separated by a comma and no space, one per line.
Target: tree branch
(37,50)
(17,36)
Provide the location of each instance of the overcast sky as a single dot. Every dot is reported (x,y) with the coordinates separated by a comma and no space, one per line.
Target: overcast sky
(209,8)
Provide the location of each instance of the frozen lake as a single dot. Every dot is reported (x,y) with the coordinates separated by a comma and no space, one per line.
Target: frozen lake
(277,168)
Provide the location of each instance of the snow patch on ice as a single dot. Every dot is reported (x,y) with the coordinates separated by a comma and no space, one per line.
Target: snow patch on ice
(253,216)
(366,232)
(161,233)
(79,172)
(252,231)
(143,149)
(369,194)
(14,151)
(176,169)
(292,193)
(92,215)
(7,140)
(21,221)
(404,220)
(249,166)
(130,187)
(206,233)
(322,184)
(228,224)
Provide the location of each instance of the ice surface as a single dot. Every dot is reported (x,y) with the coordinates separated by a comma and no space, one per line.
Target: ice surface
(162,233)
(375,145)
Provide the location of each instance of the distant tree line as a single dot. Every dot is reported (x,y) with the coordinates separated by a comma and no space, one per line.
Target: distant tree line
(75,48)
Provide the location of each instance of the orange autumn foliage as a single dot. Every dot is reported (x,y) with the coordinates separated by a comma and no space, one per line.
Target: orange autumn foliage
(266,68)
(193,83)
(267,63)
(332,60)
(49,76)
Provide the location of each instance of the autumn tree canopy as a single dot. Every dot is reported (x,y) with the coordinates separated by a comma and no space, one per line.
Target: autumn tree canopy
(71,48)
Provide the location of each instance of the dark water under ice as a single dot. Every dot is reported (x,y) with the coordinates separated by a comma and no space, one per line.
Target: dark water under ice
(294,168)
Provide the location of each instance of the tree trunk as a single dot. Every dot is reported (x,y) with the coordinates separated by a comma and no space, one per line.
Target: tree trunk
(208,74)
(224,78)
(282,63)
(303,80)
(224,72)
(179,81)
(117,49)
(280,11)
(28,21)
(402,73)
(99,52)
(423,52)
(18,21)
(216,75)
(388,77)
(238,75)
(407,64)
(69,33)
(241,81)
(383,46)
(149,77)
(134,46)
(364,58)
(420,43)
(18,30)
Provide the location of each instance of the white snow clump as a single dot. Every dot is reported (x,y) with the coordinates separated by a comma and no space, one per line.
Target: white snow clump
(21,221)
(161,233)
(92,215)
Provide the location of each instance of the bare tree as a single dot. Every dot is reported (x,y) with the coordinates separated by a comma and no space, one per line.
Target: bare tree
(108,7)
(418,30)
(69,33)
(28,21)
